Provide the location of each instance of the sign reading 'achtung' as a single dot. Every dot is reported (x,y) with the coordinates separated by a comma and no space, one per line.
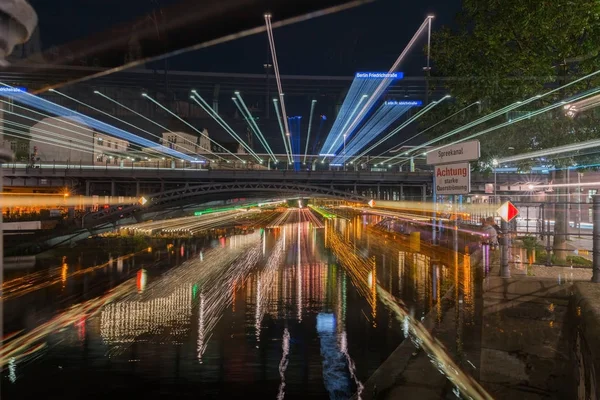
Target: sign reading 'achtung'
(453,178)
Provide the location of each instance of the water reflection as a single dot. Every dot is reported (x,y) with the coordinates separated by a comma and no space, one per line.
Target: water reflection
(290,311)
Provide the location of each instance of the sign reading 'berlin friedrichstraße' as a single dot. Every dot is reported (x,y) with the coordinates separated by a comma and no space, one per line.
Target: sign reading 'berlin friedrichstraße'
(379,75)
(465,151)
(453,179)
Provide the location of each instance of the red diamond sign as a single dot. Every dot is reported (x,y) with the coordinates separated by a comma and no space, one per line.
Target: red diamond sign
(371,203)
(508,211)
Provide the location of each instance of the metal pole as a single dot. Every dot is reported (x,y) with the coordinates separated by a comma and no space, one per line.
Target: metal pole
(434,221)
(568,205)
(596,240)
(579,203)
(495,187)
(505,241)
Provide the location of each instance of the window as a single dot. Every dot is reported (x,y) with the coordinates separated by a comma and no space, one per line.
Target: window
(100,141)
(108,144)
(116,145)
(591,194)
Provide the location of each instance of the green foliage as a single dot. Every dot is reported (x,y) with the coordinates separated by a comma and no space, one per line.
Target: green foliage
(509,50)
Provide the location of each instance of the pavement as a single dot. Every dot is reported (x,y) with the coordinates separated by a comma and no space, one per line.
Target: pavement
(519,344)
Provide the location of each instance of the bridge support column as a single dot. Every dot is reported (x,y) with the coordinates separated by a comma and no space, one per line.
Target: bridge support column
(113,188)
(378,192)
(355,192)
(401,192)
(137,189)
(88,191)
(412,164)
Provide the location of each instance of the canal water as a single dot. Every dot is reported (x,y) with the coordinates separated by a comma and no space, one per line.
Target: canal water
(288,312)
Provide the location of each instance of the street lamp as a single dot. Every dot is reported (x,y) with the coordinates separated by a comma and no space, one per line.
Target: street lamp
(495,164)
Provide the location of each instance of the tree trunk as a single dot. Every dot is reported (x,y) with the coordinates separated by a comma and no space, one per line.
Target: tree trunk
(561,224)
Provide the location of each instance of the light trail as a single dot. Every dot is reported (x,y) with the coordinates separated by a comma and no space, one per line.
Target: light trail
(278,79)
(310,119)
(359,269)
(189,125)
(122,121)
(210,111)
(362,85)
(165,129)
(282,129)
(551,151)
(65,200)
(283,364)
(387,81)
(21,286)
(252,123)
(434,125)
(503,110)
(409,121)
(17,347)
(521,118)
(44,139)
(48,106)
(379,122)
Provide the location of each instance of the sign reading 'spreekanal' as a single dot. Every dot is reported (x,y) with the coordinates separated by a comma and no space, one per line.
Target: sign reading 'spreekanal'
(466,151)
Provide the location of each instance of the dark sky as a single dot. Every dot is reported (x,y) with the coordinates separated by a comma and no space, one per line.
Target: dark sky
(367,38)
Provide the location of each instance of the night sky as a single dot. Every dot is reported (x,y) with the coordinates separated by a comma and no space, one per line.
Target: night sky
(366,38)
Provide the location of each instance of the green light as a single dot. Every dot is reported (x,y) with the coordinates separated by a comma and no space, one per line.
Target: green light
(194,290)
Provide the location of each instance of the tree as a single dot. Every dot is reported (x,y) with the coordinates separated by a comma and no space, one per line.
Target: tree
(505,51)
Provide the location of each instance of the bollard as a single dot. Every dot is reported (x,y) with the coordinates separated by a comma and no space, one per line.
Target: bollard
(596,240)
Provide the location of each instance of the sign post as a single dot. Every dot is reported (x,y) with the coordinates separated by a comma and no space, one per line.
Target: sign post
(452,172)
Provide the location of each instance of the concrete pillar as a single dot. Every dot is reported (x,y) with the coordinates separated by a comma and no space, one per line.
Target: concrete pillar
(378,192)
(137,189)
(424,193)
(113,188)
(401,192)
(412,164)
(88,185)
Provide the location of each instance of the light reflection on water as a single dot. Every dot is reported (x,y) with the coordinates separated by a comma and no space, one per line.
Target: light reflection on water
(275,313)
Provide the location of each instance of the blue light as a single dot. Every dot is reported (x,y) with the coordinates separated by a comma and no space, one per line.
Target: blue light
(325,322)
(379,75)
(53,108)
(404,103)
(336,165)
(324,117)
(8,89)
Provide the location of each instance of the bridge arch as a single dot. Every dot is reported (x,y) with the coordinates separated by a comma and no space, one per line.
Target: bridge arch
(184,194)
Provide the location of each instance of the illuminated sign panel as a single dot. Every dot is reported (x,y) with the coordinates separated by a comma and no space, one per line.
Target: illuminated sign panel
(404,103)
(379,75)
(453,179)
(8,89)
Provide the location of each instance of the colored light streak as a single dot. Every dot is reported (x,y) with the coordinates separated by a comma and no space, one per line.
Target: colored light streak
(519,119)
(127,123)
(48,106)
(285,351)
(278,80)
(554,150)
(333,138)
(436,124)
(503,111)
(210,111)
(282,129)
(48,200)
(383,85)
(310,120)
(252,123)
(321,212)
(379,122)
(145,95)
(403,125)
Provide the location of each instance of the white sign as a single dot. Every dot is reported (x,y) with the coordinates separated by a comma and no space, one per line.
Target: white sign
(465,151)
(452,179)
